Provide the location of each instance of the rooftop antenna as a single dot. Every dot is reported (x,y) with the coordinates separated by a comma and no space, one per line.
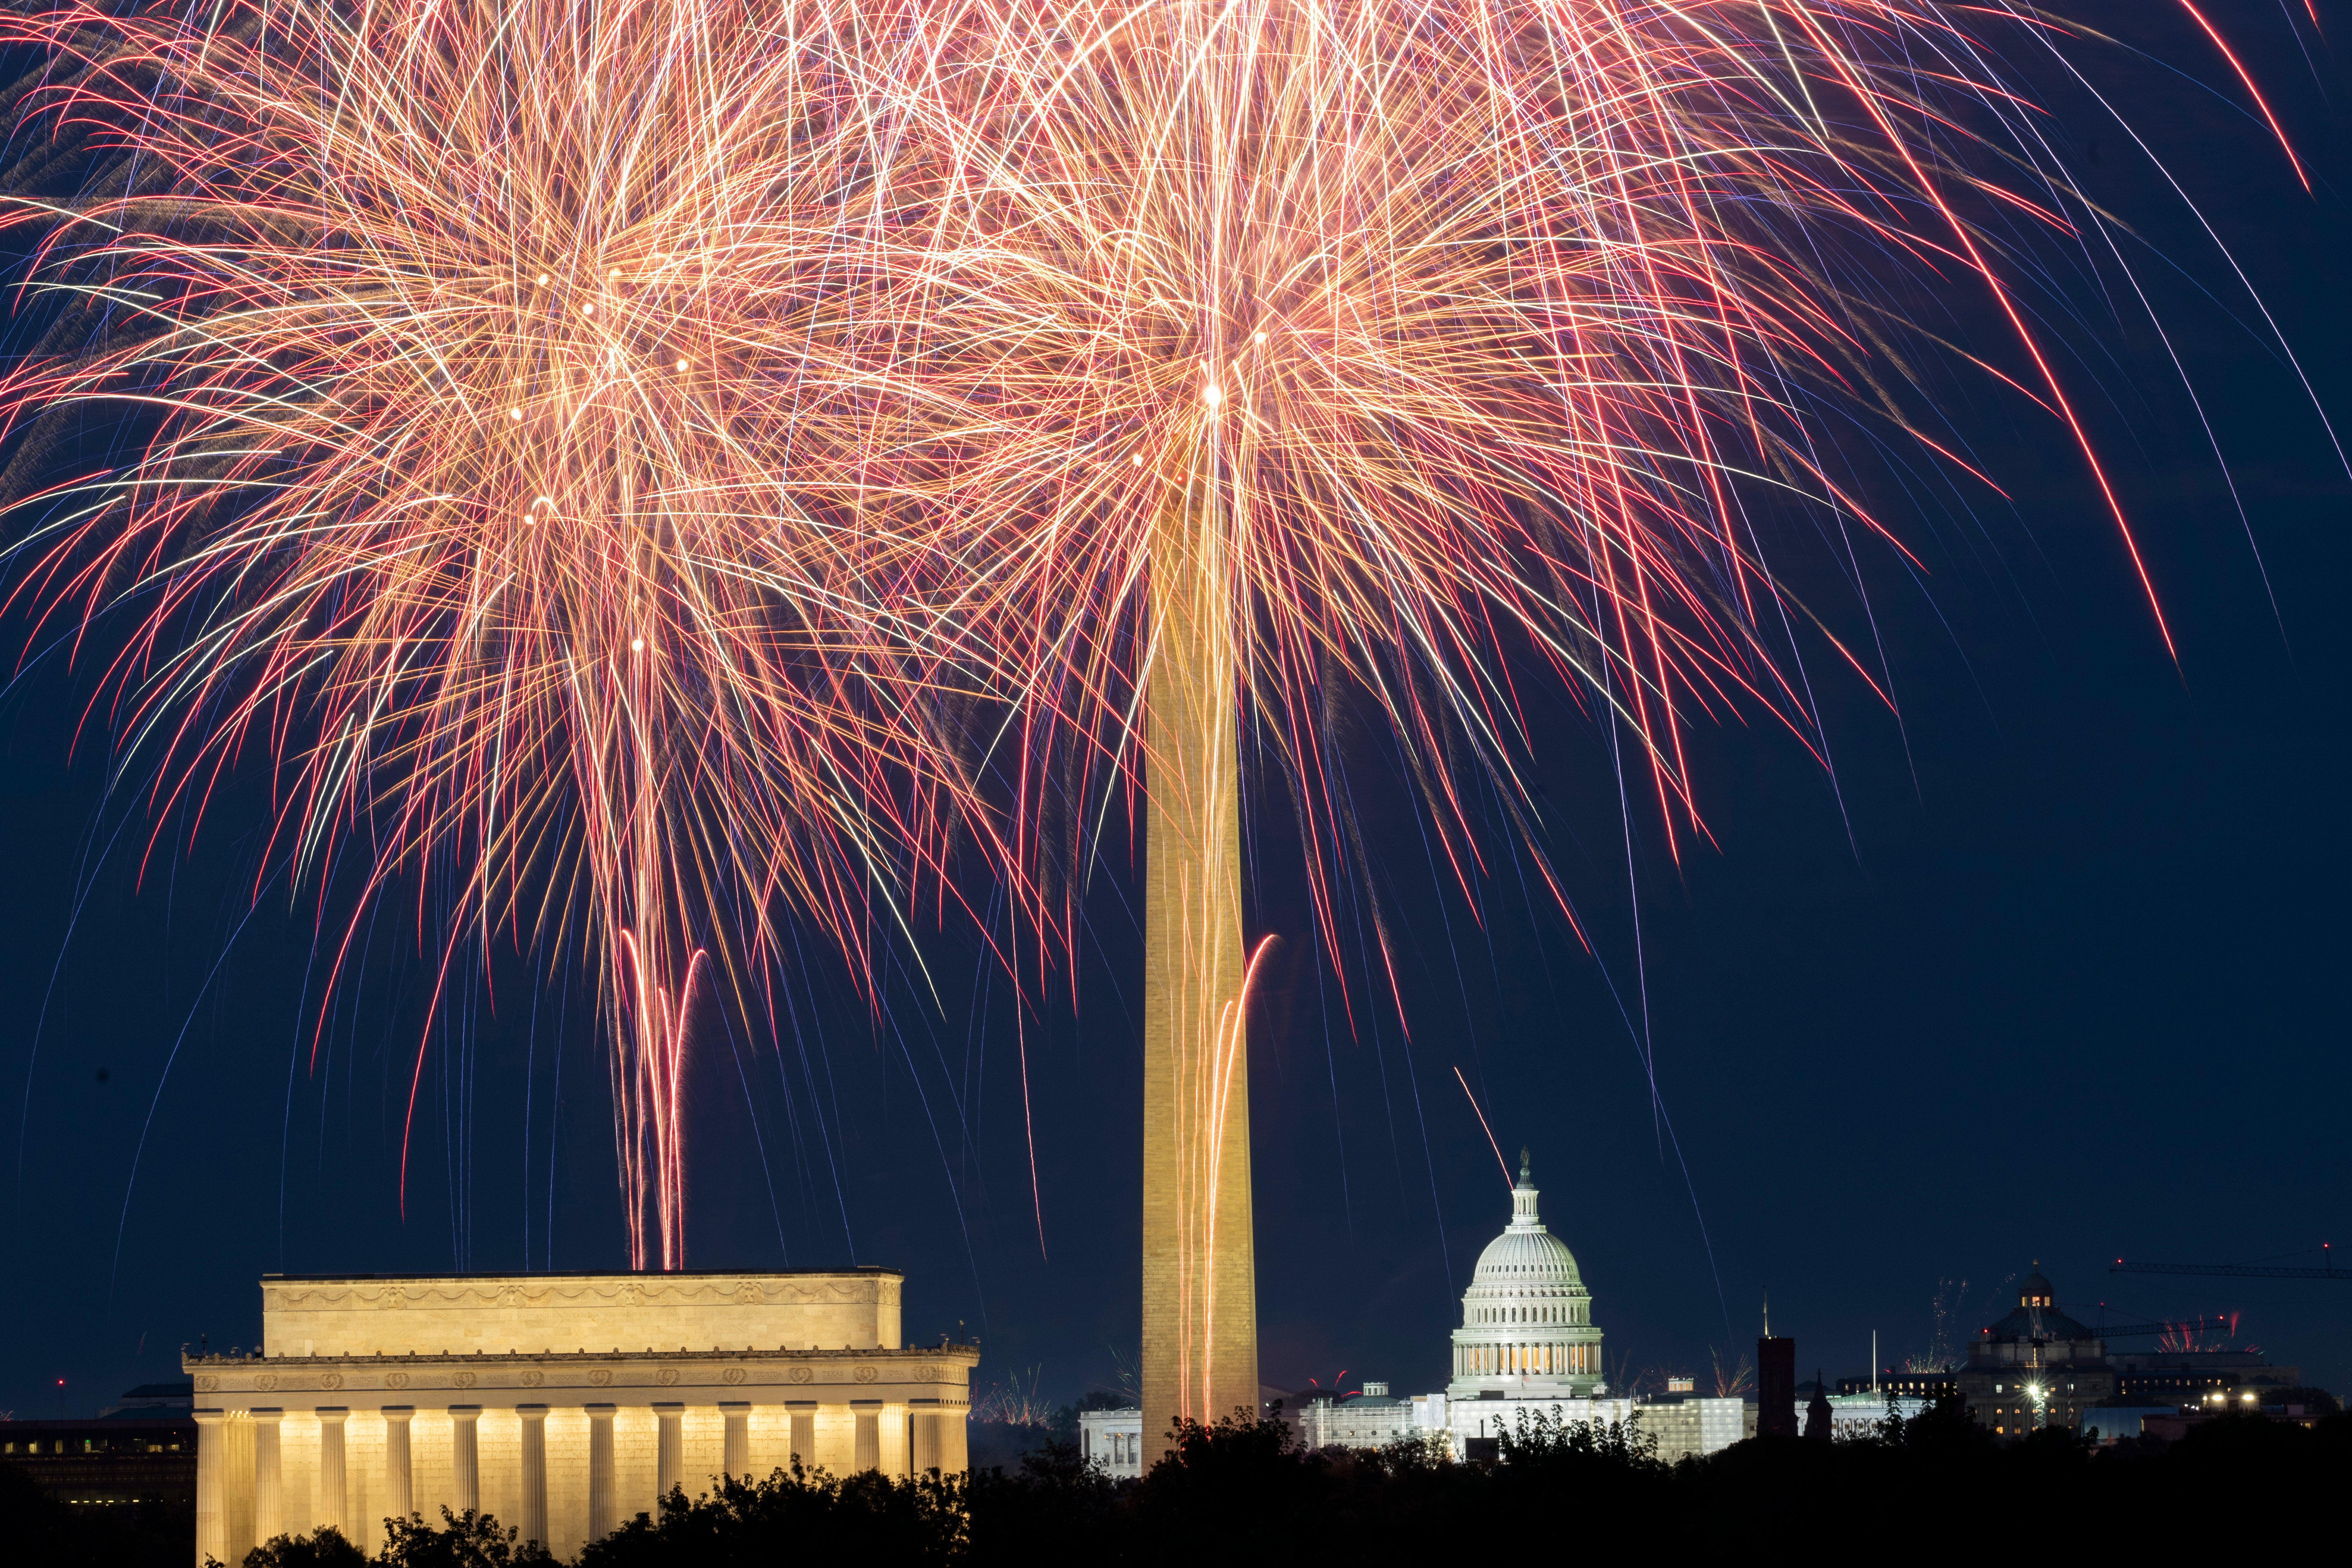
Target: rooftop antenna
(1767,1314)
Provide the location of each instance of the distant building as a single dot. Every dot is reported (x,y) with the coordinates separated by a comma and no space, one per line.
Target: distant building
(2036,1367)
(1687,1425)
(151,1401)
(1778,1414)
(2116,1423)
(1922,1385)
(2191,1377)
(1817,1413)
(1850,1415)
(1370,1419)
(2173,1425)
(106,1462)
(1113,1440)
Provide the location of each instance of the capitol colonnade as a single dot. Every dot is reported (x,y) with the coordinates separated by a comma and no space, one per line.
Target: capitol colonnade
(564,1405)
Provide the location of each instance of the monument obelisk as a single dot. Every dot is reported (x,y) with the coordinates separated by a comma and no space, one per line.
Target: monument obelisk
(1200,1287)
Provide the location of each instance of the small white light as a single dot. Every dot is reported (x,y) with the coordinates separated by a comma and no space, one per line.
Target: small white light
(587,310)
(1136,459)
(1210,395)
(515,414)
(685,364)
(542,279)
(636,645)
(1261,337)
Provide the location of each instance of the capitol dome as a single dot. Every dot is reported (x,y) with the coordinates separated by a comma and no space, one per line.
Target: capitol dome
(1527,1318)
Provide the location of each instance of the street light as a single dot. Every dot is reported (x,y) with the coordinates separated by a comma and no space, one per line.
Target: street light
(2041,1398)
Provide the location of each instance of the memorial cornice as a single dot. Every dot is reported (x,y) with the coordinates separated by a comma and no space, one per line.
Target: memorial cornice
(354,1292)
(931,1371)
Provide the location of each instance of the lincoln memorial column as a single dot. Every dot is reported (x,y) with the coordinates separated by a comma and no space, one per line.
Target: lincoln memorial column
(923,1416)
(955,1435)
(534,1472)
(466,1456)
(600,1471)
(329,1505)
(400,1496)
(212,1519)
(869,1433)
(804,1414)
(267,1524)
(738,1459)
(669,1416)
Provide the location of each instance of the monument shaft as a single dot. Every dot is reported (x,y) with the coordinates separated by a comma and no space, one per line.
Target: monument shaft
(1200,1288)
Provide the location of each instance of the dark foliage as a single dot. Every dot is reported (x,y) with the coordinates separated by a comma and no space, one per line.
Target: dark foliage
(865,1515)
(1243,1491)
(468,1539)
(1002,1445)
(328,1548)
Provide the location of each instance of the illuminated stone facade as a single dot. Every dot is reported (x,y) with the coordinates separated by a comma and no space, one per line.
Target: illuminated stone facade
(1113,1439)
(563,1403)
(1199,1272)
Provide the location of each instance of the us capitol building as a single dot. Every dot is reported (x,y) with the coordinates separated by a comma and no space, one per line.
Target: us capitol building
(1527,1346)
(563,1403)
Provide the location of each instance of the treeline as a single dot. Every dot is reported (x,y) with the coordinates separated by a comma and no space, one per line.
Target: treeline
(1244,1491)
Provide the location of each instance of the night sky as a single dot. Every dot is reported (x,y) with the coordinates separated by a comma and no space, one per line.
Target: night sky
(2053,972)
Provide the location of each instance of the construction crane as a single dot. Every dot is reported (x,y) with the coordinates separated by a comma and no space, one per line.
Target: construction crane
(2193,1326)
(2327,1269)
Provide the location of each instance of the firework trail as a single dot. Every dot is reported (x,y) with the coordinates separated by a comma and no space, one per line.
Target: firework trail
(476,469)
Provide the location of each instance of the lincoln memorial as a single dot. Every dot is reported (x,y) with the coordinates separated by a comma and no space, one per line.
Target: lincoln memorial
(563,1403)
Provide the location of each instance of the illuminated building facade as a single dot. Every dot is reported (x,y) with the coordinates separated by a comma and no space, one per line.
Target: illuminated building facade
(1372,1418)
(2036,1367)
(563,1403)
(1113,1440)
(1526,1347)
(1526,1320)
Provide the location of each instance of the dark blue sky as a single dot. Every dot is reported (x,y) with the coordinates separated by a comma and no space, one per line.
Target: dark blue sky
(2070,989)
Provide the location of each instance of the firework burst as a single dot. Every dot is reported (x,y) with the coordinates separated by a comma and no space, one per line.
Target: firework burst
(477,470)
(579,438)
(1242,359)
